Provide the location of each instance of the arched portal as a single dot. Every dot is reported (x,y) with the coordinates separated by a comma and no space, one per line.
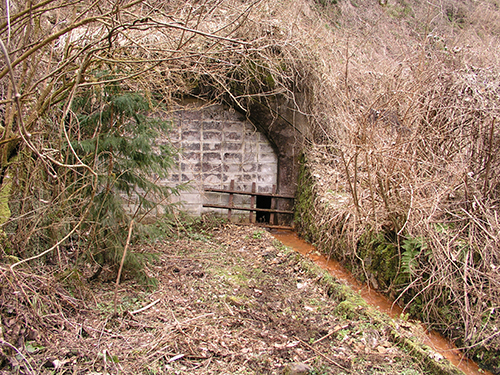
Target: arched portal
(219,145)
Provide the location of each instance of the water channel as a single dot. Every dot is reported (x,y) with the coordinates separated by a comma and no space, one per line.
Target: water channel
(437,342)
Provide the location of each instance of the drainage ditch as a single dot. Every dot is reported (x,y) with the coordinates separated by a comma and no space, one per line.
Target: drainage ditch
(434,340)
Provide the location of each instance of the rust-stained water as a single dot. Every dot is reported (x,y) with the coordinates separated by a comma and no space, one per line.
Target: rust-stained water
(376,299)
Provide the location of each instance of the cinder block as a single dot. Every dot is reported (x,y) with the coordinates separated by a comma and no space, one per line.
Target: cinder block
(268,168)
(190,135)
(249,168)
(212,179)
(231,157)
(212,146)
(233,136)
(267,157)
(266,148)
(212,125)
(212,136)
(233,146)
(190,116)
(191,157)
(249,157)
(211,157)
(191,146)
(211,168)
(232,169)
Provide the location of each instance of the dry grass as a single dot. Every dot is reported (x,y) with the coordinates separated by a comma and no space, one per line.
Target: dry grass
(407,142)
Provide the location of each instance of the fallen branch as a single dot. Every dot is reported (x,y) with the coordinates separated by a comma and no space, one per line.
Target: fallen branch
(145,307)
(123,261)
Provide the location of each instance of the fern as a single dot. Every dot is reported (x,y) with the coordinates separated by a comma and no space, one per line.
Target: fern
(413,247)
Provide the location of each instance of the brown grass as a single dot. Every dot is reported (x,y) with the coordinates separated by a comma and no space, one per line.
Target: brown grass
(407,144)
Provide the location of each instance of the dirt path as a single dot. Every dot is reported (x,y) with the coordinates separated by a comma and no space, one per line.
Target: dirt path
(229,301)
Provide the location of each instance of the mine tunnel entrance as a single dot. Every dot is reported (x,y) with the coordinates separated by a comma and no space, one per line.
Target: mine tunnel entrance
(245,168)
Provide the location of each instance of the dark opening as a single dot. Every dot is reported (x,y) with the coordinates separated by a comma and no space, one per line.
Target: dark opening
(263,202)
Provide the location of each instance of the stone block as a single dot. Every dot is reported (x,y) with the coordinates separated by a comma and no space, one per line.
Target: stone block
(266,148)
(212,146)
(249,168)
(190,116)
(192,198)
(231,157)
(190,135)
(187,177)
(212,136)
(266,179)
(211,168)
(211,157)
(174,177)
(192,146)
(267,168)
(250,148)
(247,178)
(213,198)
(249,157)
(233,146)
(232,136)
(191,157)
(267,157)
(262,137)
(210,179)
(231,169)
(242,200)
(211,125)
(252,136)
(173,136)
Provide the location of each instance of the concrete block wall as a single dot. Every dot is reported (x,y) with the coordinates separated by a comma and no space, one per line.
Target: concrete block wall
(219,145)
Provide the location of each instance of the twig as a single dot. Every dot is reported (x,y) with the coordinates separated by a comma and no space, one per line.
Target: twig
(488,160)
(331,333)
(123,261)
(322,355)
(145,307)
(30,369)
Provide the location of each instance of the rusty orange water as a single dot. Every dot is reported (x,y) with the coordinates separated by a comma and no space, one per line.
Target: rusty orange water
(376,299)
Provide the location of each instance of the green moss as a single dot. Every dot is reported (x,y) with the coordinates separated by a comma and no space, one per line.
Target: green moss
(5,190)
(304,204)
(381,258)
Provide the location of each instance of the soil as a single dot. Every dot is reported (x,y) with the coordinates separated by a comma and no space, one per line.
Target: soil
(228,300)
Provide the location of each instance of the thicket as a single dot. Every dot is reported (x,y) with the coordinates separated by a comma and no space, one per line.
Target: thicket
(88,94)
(402,99)
(404,165)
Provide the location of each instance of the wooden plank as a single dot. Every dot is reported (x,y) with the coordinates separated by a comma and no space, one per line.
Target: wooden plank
(273,206)
(252,203)
(230,191)
(231,187)
(248,209)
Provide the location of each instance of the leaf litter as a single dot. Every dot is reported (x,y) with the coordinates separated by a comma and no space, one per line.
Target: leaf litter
(231,301)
